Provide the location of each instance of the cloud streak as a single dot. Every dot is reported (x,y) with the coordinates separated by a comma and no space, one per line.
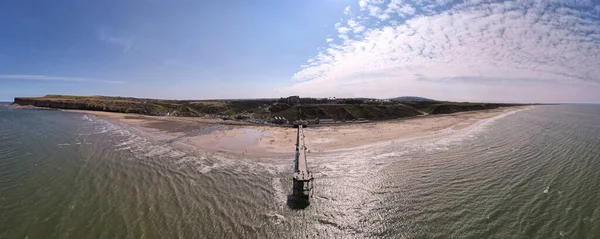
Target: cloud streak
(126,43)
(423,48)
(57,78)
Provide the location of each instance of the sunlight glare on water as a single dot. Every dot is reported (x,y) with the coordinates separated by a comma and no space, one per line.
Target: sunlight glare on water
(532,173)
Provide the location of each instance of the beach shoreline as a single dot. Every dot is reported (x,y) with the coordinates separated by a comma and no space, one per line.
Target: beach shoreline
(250,140)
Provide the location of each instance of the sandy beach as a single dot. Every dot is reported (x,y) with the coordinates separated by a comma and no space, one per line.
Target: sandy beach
(239,138)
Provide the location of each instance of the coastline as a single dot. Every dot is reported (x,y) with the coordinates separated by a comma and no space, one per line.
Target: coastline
(239,138)
(17,106)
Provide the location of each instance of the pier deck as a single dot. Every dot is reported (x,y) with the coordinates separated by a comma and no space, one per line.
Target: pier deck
(301,172)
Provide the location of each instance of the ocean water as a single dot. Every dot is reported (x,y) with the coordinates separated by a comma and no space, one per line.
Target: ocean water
(534,173)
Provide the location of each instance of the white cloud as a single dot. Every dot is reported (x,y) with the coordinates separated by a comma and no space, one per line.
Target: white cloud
(392,8)
(384,16)
(343,30)
(406,10)
(397,7)
(126,43)
(329,40)
(374,10)
(55,78)
(363,4)
(470,47)
(347,10)
(356,26)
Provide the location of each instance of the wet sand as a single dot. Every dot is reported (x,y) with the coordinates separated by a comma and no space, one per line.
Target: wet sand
(240,138)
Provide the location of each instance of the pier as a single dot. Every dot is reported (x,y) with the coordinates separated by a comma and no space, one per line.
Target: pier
(302,177)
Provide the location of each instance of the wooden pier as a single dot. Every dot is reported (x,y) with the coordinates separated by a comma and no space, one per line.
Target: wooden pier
(302,177)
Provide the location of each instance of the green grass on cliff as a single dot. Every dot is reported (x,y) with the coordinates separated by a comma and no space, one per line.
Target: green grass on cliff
(266,109)
(349,112)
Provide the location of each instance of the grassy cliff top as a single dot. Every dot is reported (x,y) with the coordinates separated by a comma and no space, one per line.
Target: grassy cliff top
(337,109)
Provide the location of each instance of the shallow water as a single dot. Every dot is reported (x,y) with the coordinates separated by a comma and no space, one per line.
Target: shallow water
(241,140)
(532,173)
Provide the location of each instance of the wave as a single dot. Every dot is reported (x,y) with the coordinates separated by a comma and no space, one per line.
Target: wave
(437,140)
(144,145)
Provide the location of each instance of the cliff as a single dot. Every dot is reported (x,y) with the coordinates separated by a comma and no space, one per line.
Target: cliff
(349,112)
(448,108)
(353,109)
(97,105)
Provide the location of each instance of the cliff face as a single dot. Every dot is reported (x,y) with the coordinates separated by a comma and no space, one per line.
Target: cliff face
(349,112)
(124,107)
(53,104)
(454,108)
(133,105)
(259,108)
(337,112)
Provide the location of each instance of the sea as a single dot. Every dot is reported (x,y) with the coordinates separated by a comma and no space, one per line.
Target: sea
(531,173)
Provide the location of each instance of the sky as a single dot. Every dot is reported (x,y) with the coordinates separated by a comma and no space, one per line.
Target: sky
(475,50)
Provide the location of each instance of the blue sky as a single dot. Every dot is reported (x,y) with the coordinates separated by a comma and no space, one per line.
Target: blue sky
(524,51)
